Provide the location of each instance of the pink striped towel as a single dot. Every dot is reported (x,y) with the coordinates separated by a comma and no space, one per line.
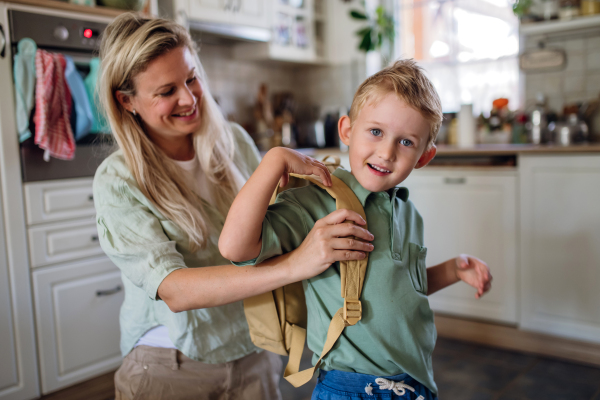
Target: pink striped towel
(52,107)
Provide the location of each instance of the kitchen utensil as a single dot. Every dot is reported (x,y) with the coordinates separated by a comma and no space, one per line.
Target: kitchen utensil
(573,131)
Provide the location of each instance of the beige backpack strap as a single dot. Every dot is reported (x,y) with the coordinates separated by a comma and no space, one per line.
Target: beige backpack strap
(331,165)
(352,276)
(296,349)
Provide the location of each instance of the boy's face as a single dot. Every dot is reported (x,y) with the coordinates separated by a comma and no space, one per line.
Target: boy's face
(386,142)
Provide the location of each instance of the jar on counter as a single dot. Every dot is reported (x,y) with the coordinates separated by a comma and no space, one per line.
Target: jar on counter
(590,7)
(569,9)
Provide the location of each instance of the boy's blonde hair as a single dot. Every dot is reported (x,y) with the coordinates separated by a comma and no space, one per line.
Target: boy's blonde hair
(408,81)
(129,44)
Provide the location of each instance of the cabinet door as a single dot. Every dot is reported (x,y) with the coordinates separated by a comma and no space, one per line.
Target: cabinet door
(238,12)
(18,377)
(77,314)
(251,12)
(473,212)
(211,10)
(560,245)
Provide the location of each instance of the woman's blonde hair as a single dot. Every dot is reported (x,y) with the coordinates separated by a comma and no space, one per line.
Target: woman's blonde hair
(408,81)
(129,44)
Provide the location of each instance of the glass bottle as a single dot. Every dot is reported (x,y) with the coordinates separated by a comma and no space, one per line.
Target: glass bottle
(538,123)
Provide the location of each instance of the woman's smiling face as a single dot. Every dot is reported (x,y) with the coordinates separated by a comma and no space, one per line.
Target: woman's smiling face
(169,96)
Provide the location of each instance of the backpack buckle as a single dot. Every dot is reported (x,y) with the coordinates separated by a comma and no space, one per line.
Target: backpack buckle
(352,311)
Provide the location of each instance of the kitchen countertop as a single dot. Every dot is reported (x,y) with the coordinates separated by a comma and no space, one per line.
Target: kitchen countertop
(481,156)
(514,149)
(490,149)
(65,6)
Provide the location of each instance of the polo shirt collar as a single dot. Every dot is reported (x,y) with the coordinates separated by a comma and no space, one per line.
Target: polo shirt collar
(362,193)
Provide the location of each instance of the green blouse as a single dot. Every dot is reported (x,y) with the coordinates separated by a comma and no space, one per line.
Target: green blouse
(147,247)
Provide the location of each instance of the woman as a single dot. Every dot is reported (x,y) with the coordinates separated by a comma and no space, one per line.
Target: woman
(161,202)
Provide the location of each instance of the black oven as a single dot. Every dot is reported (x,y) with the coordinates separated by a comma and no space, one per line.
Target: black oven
(79,39)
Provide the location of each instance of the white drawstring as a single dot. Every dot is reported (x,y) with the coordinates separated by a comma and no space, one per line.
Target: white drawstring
(398,387)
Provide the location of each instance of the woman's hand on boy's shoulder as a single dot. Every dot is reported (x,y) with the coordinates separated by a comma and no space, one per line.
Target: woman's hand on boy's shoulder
(291,161)
(475,272)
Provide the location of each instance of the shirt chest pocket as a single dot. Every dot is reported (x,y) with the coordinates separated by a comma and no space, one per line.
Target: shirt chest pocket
(417,268)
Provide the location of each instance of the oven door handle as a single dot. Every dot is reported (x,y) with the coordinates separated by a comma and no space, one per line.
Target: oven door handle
(2,42)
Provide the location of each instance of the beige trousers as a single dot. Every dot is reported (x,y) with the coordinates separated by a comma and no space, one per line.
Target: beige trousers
(153,373)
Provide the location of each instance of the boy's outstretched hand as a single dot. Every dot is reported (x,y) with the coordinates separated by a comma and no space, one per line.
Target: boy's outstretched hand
(475,272)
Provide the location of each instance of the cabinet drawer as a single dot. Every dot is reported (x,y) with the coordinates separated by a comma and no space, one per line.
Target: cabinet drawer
(64,241)
(58,200)
(77,313)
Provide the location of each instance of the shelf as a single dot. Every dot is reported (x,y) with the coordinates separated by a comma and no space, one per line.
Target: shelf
(62,5)
(556,26)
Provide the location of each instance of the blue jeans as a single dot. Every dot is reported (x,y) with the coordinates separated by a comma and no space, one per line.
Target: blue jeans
(339,385)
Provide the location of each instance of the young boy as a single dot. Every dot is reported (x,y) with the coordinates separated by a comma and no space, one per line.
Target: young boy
(393,122)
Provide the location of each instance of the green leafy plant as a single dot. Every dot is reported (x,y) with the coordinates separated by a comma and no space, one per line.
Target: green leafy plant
(521,7)
(380,27)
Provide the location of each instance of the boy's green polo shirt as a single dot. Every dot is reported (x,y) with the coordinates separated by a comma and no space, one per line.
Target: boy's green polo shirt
(397,333)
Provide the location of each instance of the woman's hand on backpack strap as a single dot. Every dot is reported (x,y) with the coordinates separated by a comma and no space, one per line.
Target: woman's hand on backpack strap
(331,240)
(295,162)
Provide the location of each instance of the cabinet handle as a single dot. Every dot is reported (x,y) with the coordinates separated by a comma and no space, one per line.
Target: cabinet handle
(108,292)
(91,197)
(94,238)
(455,181)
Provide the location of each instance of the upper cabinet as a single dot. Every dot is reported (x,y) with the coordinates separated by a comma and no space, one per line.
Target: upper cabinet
(560,26)
(237,12)
(297,33)
(303,31)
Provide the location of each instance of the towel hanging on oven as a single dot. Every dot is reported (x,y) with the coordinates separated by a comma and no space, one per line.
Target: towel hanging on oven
(82,109)
(100,124)
(24,79)
(53,107)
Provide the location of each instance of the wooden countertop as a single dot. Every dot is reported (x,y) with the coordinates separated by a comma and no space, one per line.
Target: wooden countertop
(514,149)
(65,6)
(492,149)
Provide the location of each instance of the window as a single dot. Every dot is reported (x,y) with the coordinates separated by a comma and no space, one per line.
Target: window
(469,49)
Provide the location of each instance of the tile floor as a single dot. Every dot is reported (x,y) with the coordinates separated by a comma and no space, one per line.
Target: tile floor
(465,371)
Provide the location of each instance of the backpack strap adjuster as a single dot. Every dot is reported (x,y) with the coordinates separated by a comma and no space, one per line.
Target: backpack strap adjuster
(352,311)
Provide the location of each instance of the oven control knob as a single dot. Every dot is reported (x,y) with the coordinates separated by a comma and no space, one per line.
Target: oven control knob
(61,33)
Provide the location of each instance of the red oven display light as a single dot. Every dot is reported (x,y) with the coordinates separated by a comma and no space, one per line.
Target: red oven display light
(88,33)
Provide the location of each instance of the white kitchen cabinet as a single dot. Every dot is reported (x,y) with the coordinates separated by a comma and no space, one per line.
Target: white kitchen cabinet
(471,211)
(77,291)
(18,362)
(237,12)
(77,321)
(560,245)
(297,34)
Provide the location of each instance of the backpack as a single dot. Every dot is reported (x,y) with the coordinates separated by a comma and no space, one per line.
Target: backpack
(277,319)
